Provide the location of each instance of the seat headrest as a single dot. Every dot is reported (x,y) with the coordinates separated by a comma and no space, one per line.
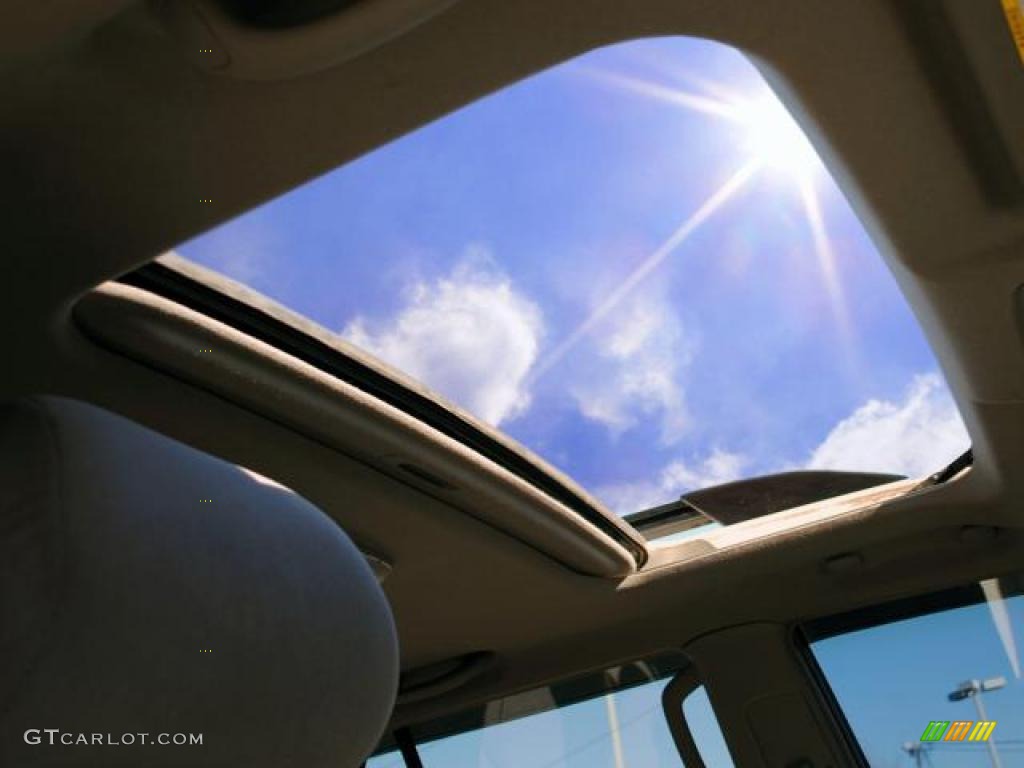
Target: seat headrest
(148,588)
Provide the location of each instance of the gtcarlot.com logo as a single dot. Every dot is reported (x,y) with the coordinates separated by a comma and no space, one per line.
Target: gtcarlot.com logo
(57,737)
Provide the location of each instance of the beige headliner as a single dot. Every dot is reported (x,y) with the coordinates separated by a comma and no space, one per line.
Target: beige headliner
(110,137)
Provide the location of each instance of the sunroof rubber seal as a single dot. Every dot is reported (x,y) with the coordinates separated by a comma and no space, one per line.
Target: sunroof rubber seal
(164,281)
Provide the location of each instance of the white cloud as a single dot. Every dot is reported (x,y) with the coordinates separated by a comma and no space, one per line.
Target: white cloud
(639,372)
(914,437)
(469,335)
(674,480)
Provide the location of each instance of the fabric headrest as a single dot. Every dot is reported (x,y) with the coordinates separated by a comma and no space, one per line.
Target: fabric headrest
(148,588)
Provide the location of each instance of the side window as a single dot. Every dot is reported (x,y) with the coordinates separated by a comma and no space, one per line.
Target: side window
(614,730)
(391,759)
(612,720)
(698,736)
(934,681)
(707,734)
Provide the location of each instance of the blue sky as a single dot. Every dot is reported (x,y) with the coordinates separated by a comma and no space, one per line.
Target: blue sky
(579,736)
(632,264)
(892,680)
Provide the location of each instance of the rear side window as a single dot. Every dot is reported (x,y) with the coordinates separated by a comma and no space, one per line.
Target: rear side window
(615,729)
(934,681)
(611,719)
(707,734)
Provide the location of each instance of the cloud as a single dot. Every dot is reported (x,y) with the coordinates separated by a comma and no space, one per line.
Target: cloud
(914,437)
(673,481)
(469,335)
(638,375)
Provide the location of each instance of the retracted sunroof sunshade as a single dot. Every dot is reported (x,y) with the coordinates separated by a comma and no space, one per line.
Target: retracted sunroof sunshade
(254,357)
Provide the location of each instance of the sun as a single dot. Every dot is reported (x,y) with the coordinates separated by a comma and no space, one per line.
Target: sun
(768,135)
(770,142)
(773,139)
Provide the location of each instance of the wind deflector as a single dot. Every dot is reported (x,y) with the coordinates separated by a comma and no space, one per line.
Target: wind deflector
(748,499)
(743,500)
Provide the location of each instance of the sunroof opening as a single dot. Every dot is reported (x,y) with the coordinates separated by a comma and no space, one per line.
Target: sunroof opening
(635,264)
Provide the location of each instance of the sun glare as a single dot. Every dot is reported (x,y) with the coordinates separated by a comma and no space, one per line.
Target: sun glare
(770,140)
(773,139)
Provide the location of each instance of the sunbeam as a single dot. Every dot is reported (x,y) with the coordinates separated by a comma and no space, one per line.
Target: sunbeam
(696,102)
(1001,619)
(769,134)
(652,262)
(826,258)
(770,139)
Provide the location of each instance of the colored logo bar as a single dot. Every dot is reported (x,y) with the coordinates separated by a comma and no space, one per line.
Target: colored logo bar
(958,730)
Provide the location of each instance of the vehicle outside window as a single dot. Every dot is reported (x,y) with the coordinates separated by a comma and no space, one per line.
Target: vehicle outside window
(934,681)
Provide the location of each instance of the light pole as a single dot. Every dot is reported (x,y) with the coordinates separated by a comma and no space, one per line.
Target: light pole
(916,750)
(613,728)
(972,689)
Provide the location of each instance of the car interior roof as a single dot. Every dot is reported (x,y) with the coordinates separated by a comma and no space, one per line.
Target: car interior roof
(112,135)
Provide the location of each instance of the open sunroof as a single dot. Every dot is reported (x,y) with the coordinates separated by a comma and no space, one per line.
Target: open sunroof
(634,264)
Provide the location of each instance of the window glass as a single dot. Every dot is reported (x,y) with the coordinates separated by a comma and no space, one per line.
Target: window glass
(918,690)
(634,264)
(567,726)
(386,760)
(614,730)
(704,728)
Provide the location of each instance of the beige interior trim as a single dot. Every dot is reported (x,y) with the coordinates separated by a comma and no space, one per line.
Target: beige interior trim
(788,521)
(268,381)
(762,697)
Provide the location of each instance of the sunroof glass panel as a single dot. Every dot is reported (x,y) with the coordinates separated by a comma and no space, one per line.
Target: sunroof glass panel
(634,264)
